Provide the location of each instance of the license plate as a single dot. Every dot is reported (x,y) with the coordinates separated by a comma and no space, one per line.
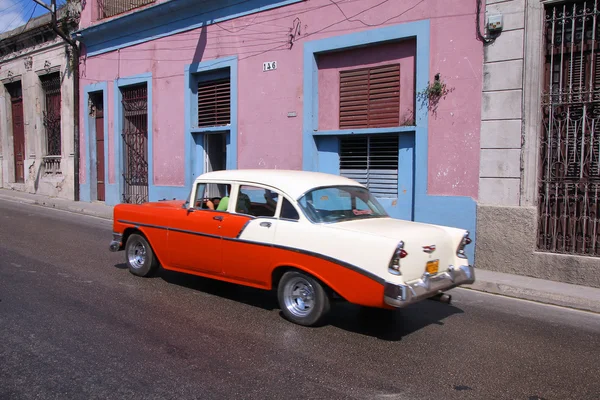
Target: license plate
(432,266)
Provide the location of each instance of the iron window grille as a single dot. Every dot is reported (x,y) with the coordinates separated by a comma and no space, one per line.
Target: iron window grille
(214,102)
(110,8)
(135,143)
(370,97)
(371,160)
(51,115)
(569,174)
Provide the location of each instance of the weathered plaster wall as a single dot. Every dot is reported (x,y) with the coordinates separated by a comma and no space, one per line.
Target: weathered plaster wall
(507,243)
(267,136)
(47,58)
(501,114)
(507,220)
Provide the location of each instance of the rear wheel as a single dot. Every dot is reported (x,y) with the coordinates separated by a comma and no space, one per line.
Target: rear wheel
(302,299)
(139,255)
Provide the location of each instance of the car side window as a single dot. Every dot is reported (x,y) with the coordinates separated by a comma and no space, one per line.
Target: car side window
(288,211)
(256,201)
(212,196)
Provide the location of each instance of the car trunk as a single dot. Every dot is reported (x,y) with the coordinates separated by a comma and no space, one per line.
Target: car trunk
(424,243)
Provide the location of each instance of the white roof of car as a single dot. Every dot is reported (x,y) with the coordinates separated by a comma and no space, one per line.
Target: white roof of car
(292,182)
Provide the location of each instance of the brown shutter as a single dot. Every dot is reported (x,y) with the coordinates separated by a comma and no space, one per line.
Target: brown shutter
(214,103)
(370,97)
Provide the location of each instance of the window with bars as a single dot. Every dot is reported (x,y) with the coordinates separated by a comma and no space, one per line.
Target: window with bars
(110,8)
(370,97)
(51,115)
(373,161)
(214,102)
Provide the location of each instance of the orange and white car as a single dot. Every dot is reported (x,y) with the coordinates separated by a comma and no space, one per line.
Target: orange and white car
(310,236)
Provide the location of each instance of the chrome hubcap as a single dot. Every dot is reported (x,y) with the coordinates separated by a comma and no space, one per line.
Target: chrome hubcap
(299,297)
(137,255)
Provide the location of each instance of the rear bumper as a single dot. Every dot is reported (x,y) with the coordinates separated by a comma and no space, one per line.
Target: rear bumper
(117,243)
(428,286)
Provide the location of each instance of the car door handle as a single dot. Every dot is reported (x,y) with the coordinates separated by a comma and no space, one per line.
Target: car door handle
(218,217)
(265,224)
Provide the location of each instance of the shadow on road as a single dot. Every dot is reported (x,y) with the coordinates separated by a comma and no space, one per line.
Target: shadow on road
(390,325)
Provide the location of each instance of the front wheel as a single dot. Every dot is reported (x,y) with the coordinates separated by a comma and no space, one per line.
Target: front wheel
(140,257)
(302,299)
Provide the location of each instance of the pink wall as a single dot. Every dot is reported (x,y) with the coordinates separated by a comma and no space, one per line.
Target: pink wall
(267,137)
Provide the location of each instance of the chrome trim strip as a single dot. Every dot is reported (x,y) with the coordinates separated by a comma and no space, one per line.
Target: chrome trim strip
(344,264)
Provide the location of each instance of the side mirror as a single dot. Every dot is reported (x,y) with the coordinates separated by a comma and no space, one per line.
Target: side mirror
(190,210)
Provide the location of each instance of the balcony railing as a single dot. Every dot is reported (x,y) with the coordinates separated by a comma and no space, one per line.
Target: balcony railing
(110,8)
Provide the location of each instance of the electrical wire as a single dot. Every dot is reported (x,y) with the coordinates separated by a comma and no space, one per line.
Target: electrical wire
(30,17)
(18,16)
(14,4)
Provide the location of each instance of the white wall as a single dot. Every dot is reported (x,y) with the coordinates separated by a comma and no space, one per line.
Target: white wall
(48,58)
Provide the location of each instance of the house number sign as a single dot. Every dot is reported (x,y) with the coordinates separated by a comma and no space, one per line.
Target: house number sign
(269,66)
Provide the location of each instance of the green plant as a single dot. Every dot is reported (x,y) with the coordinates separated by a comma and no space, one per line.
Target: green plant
(434,92)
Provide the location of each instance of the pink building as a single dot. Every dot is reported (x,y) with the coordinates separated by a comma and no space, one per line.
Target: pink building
(176,88)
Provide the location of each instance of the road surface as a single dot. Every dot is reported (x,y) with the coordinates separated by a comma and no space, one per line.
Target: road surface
(75,324)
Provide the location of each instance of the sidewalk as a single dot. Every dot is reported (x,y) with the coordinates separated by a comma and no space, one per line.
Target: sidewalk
(95,209)
(518,286)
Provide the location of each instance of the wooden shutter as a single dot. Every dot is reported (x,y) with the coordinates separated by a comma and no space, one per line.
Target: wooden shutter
(214,102)
(370,97)
(372,161)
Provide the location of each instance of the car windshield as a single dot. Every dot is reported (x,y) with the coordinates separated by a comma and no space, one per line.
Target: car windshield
(340,203)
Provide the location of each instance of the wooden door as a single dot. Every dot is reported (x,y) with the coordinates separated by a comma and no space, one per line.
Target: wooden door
(100,153)
(18,138)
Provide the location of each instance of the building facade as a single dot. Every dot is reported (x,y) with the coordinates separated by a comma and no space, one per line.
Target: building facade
(540,175)
(36,109)
(387,93)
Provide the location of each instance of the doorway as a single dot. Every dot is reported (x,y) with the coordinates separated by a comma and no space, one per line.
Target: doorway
(215,153)
(97,114)
(16,100)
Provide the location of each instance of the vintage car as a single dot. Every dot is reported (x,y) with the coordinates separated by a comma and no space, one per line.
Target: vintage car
(310,236)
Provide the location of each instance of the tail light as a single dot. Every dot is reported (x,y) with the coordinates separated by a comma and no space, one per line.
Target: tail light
(399,253)
(466,240)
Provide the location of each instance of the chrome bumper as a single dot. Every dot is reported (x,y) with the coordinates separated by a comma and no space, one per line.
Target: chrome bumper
(117,243)
(428,286)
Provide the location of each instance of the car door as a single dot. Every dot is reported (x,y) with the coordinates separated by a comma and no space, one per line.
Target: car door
(248,234)
(195,240)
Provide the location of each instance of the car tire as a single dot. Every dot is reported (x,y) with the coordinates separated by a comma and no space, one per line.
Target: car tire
(139,256)
(303,299)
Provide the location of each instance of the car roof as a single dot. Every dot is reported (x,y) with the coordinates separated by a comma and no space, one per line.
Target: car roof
(292,182)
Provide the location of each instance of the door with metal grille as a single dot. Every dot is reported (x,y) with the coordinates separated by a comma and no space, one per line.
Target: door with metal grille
(51,115)
(135,143)
(16,101)
(569,180)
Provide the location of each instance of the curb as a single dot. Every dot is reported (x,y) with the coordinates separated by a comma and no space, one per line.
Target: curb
(538,296)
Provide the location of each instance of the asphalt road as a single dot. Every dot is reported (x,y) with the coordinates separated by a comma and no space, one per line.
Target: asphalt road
(75,324)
